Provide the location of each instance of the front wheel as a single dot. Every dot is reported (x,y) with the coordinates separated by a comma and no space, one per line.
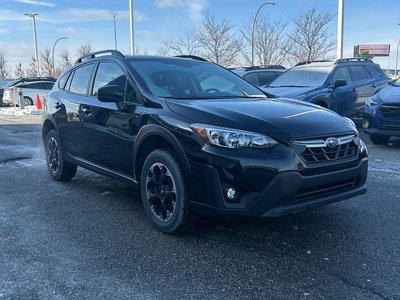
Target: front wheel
(164,192)
(379,139)
(58,167)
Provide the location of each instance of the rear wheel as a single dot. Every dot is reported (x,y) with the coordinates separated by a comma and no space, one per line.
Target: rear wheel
(58,167)
(28,101)
(164,192)
(379,139)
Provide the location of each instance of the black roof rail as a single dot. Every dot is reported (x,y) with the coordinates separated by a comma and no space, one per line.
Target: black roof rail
(353,59)
(302,63)
(191,57)
(99,53)
(265,67)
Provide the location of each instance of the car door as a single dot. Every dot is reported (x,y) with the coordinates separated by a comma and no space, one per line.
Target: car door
(362,87)
(343,97)
(68,107)
(110,128)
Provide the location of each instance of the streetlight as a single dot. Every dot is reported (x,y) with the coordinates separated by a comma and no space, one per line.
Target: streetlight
(54,46)
(131,26)
(33,16)
(115,34)
(252,32)
(339,50)
(397,57)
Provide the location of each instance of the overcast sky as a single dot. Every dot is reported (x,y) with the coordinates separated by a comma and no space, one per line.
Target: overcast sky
(366,22)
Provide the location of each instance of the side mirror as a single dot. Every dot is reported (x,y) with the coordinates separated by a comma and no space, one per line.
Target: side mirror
(339,83)
(110,93)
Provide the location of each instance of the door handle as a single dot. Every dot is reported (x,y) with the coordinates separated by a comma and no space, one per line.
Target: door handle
(374,85)
(57,105)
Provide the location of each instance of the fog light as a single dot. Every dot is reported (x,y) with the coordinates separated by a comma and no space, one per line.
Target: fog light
(365,123)
(231,193)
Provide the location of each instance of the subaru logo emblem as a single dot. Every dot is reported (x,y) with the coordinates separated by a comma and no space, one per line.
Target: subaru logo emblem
(332,142)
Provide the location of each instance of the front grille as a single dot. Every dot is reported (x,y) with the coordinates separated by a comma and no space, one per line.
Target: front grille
(326,189)
(390,112)
(317,151)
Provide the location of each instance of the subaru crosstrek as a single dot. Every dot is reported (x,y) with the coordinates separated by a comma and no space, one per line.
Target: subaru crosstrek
(342,86)
(382,114)
(193,136)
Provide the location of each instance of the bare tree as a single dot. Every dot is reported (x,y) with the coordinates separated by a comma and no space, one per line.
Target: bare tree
(310,37)
(271,45)
(3,66)
(185,45)
(46,62)
(19,72)
(217,40)
(32,71)
(163,51)
(66,60)
(84,49)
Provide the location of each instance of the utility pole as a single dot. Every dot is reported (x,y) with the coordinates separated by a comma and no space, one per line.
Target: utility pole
(131,26)
(33,16)
(339,49)
(115,34)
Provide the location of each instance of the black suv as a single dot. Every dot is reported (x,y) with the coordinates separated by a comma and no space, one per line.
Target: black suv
(196,137)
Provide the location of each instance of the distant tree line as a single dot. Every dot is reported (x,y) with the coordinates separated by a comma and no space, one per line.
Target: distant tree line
(221,42)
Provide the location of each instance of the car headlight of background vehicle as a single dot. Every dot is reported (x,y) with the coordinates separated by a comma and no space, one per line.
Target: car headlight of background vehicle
(232,138)
(370,102)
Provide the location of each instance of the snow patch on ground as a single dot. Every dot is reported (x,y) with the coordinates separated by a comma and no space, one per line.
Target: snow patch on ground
(16,111)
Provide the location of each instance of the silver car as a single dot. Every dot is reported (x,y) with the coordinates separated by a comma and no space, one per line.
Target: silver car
(30,91)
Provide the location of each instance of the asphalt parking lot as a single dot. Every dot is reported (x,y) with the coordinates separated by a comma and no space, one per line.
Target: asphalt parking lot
(89,238)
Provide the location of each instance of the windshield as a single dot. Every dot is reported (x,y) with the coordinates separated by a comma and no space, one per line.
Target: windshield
(190,79)
(302,77)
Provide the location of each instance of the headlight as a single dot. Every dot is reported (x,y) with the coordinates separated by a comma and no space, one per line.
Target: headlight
(351,122)
(363,146)
(370,102)
(232,138)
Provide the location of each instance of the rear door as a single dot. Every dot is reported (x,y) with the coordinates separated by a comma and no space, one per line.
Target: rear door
(363,87)
(110,128)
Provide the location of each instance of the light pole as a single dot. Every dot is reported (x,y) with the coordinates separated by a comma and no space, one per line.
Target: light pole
(339,49)
(254,25)
(115,34)
(131,26)
(54,46)
(397,58)
(33,16)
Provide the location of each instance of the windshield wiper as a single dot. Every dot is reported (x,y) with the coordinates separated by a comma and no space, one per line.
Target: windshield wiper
(277,86)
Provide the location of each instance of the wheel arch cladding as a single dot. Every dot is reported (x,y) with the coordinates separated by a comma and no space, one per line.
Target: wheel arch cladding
(152,137)
(46,127)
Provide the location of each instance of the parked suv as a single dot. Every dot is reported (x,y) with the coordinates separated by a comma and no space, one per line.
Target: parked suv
(260,75)
(382,114)
(196,137)
(30,90)
(342,86)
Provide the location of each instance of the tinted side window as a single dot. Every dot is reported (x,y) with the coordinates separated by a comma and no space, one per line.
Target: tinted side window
(68,84)
(267,77)
(32,86)
(341,74)
(252,78)
(108,74)
(358,73)
(81,79)
(48,85)
(373,71)
(63,80)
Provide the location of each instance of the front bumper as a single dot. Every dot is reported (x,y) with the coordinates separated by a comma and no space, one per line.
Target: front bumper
(284,191)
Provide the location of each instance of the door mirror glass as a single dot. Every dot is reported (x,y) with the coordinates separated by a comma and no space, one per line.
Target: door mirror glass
(110,93)
(339,83)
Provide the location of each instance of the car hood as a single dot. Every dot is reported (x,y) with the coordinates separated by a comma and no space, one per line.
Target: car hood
(282,119)
(289,92)
(389,95)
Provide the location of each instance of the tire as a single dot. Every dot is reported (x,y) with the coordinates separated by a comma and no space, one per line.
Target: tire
(59,169)
(378,139)
(164,193)
(28,101)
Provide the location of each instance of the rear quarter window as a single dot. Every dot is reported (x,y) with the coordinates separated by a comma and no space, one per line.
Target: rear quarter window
(63,80)
(374,71)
